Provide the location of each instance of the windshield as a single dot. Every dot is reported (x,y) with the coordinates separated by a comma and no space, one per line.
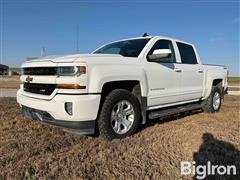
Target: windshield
(128,48)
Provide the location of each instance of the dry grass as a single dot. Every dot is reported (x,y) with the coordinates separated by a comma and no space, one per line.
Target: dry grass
(9,82)
(234,80)
(29,149)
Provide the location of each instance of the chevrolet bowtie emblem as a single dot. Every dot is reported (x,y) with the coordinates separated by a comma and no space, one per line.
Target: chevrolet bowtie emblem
(29,79)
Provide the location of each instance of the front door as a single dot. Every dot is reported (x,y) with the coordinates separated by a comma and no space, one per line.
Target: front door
(163,77)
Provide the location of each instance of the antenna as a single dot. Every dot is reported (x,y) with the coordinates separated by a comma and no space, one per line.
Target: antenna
(77,38)
(145,34)
(43,51)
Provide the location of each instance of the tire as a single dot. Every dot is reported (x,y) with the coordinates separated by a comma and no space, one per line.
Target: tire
(112,125)
(208,104)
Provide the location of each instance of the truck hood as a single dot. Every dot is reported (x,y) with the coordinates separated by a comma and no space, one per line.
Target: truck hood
(75,57)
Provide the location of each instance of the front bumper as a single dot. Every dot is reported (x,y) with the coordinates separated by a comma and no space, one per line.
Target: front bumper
(85,109)
(83,127)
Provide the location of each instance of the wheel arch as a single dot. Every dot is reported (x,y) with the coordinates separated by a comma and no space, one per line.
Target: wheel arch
(217,81)
(133,86)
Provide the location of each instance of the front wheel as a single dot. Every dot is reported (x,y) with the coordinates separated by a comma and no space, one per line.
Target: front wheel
(213,103)
(120,115)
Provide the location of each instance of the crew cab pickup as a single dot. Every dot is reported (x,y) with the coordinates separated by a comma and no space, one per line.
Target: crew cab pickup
(120,86)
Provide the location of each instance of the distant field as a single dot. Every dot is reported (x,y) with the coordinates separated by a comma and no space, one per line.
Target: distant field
(9,82)
(234,80)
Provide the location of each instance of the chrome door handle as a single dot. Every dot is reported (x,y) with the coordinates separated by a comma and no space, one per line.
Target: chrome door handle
(177,70)
(200,71)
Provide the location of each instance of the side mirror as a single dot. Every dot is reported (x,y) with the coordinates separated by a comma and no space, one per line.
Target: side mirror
(159,53)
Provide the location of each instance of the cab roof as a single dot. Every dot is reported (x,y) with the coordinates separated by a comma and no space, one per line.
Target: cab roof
(151,37)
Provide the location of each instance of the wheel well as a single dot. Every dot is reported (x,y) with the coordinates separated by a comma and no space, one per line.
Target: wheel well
(132,86)
(216,82)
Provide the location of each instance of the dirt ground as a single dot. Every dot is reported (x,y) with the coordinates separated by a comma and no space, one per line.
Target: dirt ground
(32,150)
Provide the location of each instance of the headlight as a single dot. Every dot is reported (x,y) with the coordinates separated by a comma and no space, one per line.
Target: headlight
(71,70)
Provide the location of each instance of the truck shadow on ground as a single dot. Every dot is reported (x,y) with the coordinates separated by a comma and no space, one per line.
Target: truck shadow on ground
(174,117)
(219,153)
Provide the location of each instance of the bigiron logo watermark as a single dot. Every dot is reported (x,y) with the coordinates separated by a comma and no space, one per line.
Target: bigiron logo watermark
(201,171)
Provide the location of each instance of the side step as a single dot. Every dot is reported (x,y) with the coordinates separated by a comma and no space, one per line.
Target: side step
(173,110)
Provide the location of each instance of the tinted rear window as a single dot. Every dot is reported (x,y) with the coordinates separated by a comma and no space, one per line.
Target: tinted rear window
(187,53)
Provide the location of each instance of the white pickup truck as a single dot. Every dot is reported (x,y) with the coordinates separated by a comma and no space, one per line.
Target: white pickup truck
(120,86)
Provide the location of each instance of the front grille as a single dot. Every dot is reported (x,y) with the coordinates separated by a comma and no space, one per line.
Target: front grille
(43,71)
(45,89)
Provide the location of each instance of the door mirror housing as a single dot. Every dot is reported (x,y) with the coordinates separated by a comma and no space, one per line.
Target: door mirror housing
(159,54)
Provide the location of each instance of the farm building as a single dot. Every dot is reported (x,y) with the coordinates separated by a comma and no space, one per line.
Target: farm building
(3,69)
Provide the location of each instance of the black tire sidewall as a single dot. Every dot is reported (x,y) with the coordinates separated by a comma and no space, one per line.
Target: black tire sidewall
(111,100)
(216,89)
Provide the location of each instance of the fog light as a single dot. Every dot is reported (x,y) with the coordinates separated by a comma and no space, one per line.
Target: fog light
(68,107)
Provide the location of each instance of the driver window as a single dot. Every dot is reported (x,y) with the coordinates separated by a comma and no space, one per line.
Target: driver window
(164,44)
(114,50)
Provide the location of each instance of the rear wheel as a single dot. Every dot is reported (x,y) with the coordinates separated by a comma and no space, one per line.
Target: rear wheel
(120,115)
(213,103)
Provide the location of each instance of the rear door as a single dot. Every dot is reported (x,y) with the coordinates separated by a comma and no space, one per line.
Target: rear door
(191,72)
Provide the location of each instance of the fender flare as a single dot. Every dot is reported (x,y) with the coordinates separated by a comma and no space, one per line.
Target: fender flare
(97,79)
(209,85)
